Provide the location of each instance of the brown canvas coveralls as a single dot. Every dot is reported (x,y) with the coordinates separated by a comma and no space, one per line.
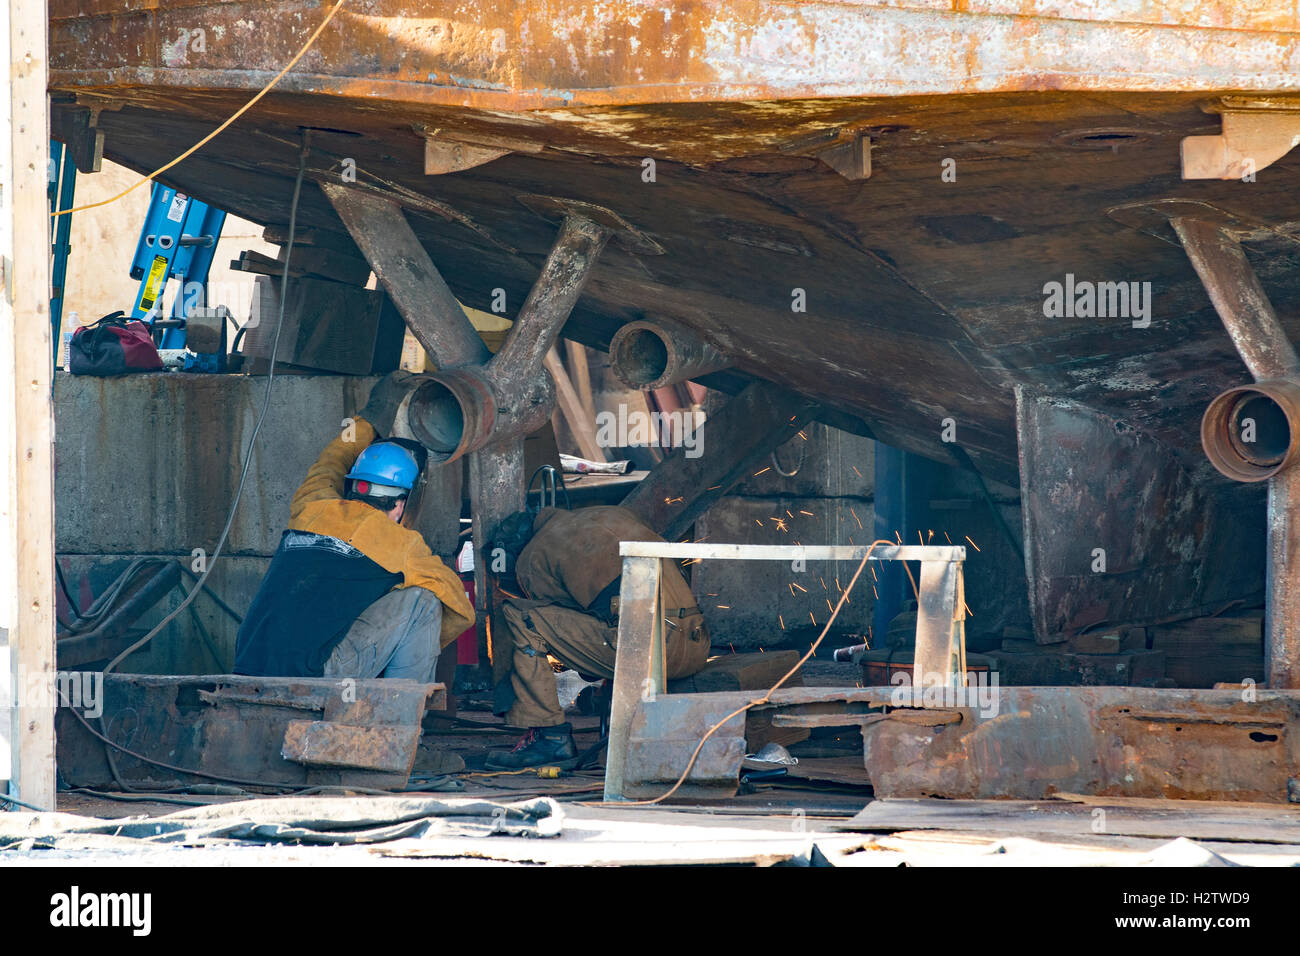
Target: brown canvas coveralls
(572,557)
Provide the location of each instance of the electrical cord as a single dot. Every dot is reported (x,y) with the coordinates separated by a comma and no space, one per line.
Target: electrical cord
(213,135)
(67,592)
(257,428)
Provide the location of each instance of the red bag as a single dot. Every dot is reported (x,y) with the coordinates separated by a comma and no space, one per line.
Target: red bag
(114,345)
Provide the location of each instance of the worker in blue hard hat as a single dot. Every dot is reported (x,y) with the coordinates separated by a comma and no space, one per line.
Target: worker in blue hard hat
(353,590)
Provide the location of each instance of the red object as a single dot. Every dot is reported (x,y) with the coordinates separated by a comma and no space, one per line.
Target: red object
(467,643)
(113,346)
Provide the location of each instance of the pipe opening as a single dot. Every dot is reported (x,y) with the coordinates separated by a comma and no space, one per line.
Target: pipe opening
(1258,430)
(438,421)
(1250,433)
(642,356)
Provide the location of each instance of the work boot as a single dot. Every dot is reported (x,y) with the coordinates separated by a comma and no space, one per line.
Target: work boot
(540,747)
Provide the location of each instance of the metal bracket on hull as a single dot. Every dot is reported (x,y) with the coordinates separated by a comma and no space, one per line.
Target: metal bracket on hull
(1256,134)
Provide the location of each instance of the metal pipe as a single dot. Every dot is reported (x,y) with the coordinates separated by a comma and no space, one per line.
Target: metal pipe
(653,354)
(1271,406)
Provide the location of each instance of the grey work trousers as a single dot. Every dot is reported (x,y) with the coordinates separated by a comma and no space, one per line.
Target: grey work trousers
(397,636)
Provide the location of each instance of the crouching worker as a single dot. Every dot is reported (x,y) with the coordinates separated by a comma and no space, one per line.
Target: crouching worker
(568,567)
(353,590)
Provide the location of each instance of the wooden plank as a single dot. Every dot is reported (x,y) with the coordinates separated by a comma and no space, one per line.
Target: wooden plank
(307,261)
(581,424)
(322,743)
(1194,819)
(26,430)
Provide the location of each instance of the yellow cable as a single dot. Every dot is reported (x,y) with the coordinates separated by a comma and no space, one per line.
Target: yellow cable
(211,136)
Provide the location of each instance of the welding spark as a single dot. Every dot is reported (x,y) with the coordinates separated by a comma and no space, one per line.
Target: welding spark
(814,620)
(856,518)
(800,587)
(855,470)
(780,524)
(724,607)
(802,435)
(782,620)
(972,543)
(808,513)
(757,473)
(823,581)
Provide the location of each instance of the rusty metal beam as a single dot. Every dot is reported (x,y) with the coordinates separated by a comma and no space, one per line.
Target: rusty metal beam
(1247,314)
(1009,742)
(408,275)
(249,728)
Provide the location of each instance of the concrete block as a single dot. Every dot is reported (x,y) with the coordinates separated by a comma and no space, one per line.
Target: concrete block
(148,464)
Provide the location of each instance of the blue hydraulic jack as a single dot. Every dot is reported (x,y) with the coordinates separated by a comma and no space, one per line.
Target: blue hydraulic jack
(179,241)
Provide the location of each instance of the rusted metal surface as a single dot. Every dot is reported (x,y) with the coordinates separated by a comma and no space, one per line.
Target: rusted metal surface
(1021,742)
(747,429)
(646,355)
(1112,741)
(923,295)
(1117,530)
(321,743)
(499,55)
(236,726)
(1266,349)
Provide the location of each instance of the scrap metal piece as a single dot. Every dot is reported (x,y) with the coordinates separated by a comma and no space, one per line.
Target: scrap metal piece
(321,743)
(295,731)
(1029,742)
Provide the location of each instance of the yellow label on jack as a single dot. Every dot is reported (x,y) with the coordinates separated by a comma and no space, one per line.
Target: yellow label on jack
(154,284)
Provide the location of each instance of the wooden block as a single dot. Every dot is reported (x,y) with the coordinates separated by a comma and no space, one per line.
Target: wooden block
(328,326)
(1204,651)
(740,672)
(322,743)
(307,261)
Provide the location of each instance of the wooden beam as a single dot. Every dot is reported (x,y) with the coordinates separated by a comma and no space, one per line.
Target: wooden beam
(26,431)
(581,424)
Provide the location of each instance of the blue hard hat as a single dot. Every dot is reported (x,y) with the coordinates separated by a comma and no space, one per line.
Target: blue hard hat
(385,463)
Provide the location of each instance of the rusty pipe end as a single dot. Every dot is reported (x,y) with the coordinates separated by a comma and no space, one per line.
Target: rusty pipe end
(1252,432)
(452,414)
(647,355)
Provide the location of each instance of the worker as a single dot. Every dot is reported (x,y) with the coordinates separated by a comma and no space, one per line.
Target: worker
(353,590)
(567,566)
